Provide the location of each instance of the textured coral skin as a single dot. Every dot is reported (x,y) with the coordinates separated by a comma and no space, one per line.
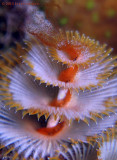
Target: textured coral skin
(68,78)
(95,18)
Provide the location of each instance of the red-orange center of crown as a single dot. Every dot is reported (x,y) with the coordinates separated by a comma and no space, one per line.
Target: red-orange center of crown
(51,131)
(61,103)
(68,74)
(45,38)
(71,51)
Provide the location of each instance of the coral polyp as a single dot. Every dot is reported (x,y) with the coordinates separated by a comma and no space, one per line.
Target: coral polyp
(69,79)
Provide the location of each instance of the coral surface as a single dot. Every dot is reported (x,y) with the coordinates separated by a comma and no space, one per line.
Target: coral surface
(95,18)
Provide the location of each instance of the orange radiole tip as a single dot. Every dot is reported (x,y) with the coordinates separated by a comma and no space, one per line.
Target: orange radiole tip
(53,130)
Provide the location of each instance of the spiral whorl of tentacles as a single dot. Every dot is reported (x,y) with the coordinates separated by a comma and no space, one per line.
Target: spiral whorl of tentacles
(68,78)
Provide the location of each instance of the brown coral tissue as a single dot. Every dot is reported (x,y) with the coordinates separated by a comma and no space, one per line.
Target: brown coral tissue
(95,18)
(58,96)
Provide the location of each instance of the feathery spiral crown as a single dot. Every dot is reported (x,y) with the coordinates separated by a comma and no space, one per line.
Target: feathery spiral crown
(64,76)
